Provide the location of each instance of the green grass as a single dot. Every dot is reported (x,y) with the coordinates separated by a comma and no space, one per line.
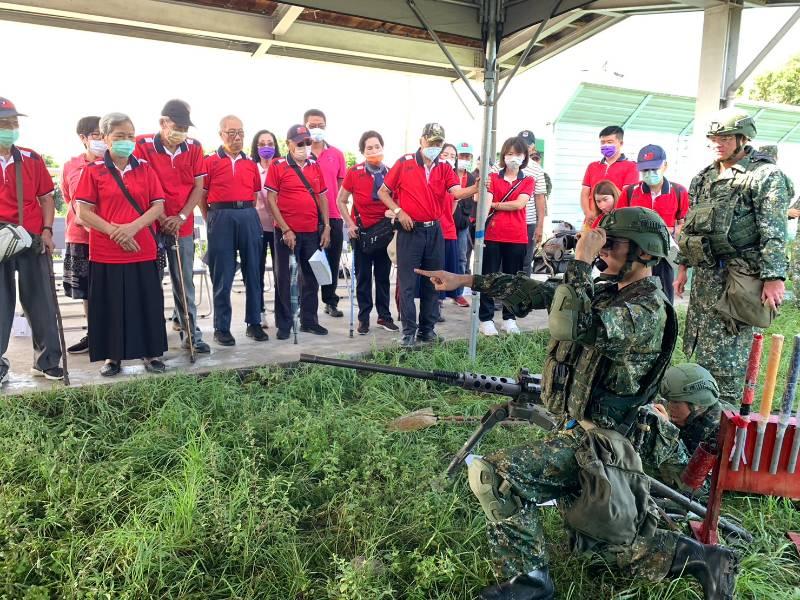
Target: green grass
(288,485)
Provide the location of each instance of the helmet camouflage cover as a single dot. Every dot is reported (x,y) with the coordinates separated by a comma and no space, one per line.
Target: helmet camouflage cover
(731,121)
(689,383)
(642,226)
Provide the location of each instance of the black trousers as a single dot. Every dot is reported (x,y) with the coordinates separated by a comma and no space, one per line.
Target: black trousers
(500,257)
(307,244)
(334,254)
(663,270)
(267,243)
(420,248)
(379,266)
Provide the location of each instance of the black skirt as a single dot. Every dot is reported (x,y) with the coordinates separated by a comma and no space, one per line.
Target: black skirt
(126,311)
(76,271)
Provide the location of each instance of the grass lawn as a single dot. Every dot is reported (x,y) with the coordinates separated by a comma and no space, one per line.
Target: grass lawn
(288,486)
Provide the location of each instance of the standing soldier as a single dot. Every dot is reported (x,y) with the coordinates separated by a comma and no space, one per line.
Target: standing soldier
(611,344)
(178,161)
(794,264)
(734,238)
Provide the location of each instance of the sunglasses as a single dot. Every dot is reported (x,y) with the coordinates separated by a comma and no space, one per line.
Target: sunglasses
(303,143)
(611,243)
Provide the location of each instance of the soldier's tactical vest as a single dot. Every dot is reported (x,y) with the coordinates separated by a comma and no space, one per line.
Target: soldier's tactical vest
(572,375)
(721,226)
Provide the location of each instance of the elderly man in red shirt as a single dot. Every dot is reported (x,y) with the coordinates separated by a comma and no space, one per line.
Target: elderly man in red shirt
(669,199)
(29,268)
(76,255)
(613,166)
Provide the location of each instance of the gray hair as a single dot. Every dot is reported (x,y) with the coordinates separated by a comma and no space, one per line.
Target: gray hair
(111,120)
(226,118)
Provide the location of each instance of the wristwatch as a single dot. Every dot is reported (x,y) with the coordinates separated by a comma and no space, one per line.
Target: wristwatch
(397,210)
(50,229)
(182,217)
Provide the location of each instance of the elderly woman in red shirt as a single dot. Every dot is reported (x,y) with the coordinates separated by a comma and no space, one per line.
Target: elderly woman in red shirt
(119,197)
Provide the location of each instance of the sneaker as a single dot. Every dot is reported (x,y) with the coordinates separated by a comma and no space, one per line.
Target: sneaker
(408,342)
(53,373)
(331,310)
(283,334)
(363,328)
(429,338)
(110,369)
(154,365)
(510,326)
(388,325)
(81,347)
(257,333)
(4,366)
(487,328)
(461,301)
(316,329)
(199,346)
(224,338)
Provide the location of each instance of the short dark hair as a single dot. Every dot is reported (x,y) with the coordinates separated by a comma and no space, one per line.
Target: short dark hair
(254,146)
(613,130)
(314,112)
(362,142)
(514,143)
(87,126)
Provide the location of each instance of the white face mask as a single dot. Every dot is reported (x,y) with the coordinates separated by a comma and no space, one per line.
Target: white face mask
(97,147)
(464,164)
(300,153)
(317,134)
(514,161)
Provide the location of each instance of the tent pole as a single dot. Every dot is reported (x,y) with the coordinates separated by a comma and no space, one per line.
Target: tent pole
(487,154)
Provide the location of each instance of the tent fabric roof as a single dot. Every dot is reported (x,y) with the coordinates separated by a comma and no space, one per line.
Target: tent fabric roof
(600,105)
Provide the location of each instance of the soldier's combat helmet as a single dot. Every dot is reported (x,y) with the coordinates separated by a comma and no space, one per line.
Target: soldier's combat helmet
(689,383)
(731,121)
(644,227)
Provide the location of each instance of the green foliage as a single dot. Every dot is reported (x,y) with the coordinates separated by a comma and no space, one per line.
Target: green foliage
(287,485)
(782,86)
(350,159)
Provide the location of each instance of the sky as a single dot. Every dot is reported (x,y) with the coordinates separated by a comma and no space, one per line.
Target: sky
(68,74)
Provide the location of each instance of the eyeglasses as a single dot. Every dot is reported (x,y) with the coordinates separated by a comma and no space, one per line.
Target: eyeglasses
(234,133)
(303,143)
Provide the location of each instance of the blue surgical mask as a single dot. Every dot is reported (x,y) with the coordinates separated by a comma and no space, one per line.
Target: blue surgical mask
(651,178)
(432,152)
(123,148)
(317,134)
(8,137)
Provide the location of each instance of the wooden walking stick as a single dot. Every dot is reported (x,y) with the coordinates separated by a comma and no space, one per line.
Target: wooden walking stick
(188,325)
(58,317)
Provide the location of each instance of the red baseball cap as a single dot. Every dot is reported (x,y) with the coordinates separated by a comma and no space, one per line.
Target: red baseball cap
(7,109)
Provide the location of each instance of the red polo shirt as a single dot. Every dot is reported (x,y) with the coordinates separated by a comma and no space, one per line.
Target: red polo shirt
(176,172)
(70,175)
(360,182)
(231,180)
(509,226)
(331,162)
(418,192)
(672,204)
(36,182)
(98,187)
(622,172)
(298,208)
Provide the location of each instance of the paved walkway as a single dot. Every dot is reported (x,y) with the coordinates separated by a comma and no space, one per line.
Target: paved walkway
(246,352)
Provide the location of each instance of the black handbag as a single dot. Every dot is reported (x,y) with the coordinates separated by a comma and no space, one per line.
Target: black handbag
(161,251)
(375,238)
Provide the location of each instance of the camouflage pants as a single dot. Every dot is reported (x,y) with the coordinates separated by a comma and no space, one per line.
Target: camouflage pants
(794,268)
(547,470)
(708,338)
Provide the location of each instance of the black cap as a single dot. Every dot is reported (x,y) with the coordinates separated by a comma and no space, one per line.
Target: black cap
(298,133)
(178,111)
(527,135)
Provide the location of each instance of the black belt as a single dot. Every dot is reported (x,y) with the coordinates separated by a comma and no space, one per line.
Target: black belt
(424,224)
(231,205)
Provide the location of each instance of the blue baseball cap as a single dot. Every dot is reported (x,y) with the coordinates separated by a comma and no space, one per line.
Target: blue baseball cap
(651,157)
(464,148)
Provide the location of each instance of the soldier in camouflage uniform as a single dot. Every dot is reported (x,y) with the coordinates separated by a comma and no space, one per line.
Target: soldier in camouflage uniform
(736,222)
(611,344)
(794,258)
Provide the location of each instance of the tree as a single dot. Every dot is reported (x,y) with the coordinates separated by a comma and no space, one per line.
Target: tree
(782,86)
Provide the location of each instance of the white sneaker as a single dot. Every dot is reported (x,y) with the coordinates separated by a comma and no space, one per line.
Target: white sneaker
(510,326)
(487,328)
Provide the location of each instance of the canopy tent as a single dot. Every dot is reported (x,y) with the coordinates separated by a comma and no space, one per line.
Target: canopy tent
(474,40)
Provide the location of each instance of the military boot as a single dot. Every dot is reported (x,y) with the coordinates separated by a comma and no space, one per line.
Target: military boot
(536,585)
(715,567)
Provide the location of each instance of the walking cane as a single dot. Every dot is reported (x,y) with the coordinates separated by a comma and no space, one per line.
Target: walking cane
(188,326)
(352,284)
(58,317)
(294,293)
